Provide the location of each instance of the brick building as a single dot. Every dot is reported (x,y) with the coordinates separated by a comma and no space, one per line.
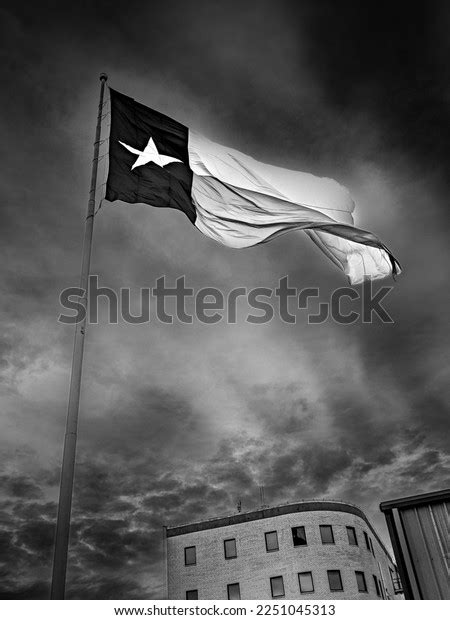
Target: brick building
(309,549)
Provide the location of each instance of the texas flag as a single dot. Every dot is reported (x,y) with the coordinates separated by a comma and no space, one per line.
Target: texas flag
(231,197)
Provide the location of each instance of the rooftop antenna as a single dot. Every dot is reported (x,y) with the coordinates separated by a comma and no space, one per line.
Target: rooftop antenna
(239,505)
(262,497)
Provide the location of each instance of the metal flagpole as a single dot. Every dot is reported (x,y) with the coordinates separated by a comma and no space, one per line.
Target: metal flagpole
(70,440)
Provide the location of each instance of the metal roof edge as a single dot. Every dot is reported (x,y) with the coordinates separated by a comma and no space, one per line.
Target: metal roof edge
(416,500)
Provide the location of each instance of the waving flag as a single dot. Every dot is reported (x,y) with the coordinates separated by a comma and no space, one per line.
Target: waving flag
(231,197)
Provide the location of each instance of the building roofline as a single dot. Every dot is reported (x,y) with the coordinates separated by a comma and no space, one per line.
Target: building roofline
(275,511)
(416,500)
(247,515)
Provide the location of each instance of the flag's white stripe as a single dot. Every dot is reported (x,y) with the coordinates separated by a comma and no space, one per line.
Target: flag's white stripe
(207,158)
(241,202)
(236,220)
(240,219)
(359,262)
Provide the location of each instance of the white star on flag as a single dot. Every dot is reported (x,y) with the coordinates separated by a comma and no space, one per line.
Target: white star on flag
(149,154)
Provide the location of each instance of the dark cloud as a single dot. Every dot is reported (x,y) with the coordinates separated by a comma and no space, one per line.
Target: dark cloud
(110,588)
(20,486)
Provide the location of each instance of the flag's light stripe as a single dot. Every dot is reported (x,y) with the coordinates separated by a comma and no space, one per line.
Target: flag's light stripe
(241,202)
(358,262)
(231,218)
(207,158)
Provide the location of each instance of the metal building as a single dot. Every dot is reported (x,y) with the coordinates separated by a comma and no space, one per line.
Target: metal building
(419,531)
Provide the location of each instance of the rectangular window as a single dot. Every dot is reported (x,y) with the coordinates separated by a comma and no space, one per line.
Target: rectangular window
(190,556)
(396,583)
(377,587)
(305,582)
(271,541)
(234,592)
(230,548)
(299,536)
(351,533)
(361,581)
(366,538)
(335,581)
(277,587)
(192,595)
(326,534)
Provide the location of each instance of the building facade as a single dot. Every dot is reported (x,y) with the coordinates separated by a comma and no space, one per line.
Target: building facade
(309,549)
(419,531)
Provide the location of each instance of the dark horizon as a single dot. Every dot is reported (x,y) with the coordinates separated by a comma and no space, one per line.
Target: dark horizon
(177,422)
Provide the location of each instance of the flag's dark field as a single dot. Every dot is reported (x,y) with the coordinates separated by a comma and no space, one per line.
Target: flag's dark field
(178,422)
(151,184)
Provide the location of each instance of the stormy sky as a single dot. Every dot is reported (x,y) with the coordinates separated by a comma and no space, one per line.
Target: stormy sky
(177,422)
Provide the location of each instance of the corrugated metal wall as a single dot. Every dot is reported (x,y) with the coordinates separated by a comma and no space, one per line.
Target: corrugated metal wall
(426,530)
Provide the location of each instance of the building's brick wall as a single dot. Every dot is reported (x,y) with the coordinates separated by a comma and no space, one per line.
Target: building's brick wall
(254,566)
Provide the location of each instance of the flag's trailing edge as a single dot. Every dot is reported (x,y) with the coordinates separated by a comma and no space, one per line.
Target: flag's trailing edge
(230,197)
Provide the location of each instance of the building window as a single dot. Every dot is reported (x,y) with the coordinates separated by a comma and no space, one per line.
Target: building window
(391,572)
(396,583)
(271,541)
(351,533)
(277,587)
(230,548)
(371,547)
(299,536)
(234,592)
(305,582)
(366,538)
(361,581)
(335,581)
(190,556)
(192,595)
(326,534)
(377,587)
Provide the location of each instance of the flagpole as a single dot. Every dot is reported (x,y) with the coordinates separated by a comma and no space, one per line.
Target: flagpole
(70,440)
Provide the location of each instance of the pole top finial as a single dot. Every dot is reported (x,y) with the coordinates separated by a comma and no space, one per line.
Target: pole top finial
(103,77)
